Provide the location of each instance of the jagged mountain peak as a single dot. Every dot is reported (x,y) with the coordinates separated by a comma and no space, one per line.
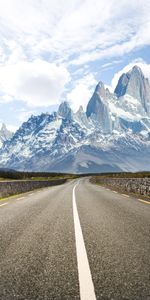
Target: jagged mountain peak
(102,91)
(135,74)
(100,87)
(64,109)
(135,84)
(3,126)
(81,117)
(120,89)
(113,128)
(4,130)
(5,134)
(98,109)
(137,69)
(80,110)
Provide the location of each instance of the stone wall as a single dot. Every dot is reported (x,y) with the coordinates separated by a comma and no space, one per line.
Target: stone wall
(8,188)
(131,185)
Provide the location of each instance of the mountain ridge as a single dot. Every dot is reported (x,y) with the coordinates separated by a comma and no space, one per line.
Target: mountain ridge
(112,135)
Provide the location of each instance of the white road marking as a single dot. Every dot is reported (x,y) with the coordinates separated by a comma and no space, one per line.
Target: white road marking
(4,204)
(20,198)
(115,192)
(144,201)
(125,195)
(85,278)
(31,194)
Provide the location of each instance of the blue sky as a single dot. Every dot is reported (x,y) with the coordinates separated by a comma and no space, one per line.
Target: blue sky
(52,51)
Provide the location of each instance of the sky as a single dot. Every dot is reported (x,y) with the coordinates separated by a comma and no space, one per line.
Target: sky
(54,51)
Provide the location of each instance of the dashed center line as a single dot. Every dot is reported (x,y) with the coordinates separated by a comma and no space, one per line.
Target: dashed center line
(4,204)
(115,192)
(85,278)
(125,195)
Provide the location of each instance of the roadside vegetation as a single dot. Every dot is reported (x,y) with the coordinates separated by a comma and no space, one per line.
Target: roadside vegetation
(17,175)
(95,177)
(123,175)
(20,175)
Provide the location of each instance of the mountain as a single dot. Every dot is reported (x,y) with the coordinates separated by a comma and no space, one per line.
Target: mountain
(112,135)
(98,110)
(5,134)
(136,85)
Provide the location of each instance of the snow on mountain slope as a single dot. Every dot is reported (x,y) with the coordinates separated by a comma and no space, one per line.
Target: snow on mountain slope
(34,136)
(136,85)
(112,135)
(5,134)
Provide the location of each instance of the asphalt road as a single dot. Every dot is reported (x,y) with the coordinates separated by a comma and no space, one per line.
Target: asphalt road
(74,241)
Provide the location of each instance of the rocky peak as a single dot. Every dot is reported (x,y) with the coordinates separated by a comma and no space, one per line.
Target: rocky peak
(80,110)
(5,133)
(80,117)
(102,91)
(136,85)
(121,87)
(64,110)
(3,127)
(97,108)
(134,75)
(100,88)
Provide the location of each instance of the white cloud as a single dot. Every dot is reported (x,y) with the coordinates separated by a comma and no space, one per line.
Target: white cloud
(24,115)
(110,65)
(40,40)
(139,62)
(11,128)
(88,30)
(5,98)
(82,92)
(37,83)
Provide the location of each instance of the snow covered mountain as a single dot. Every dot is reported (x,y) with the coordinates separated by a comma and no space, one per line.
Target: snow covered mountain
(112,135)
(5,134)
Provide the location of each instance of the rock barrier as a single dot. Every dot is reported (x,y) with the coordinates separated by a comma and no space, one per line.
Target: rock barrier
(131,185)
(8,188)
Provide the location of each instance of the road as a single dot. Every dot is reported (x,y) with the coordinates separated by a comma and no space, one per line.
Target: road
(74,241)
